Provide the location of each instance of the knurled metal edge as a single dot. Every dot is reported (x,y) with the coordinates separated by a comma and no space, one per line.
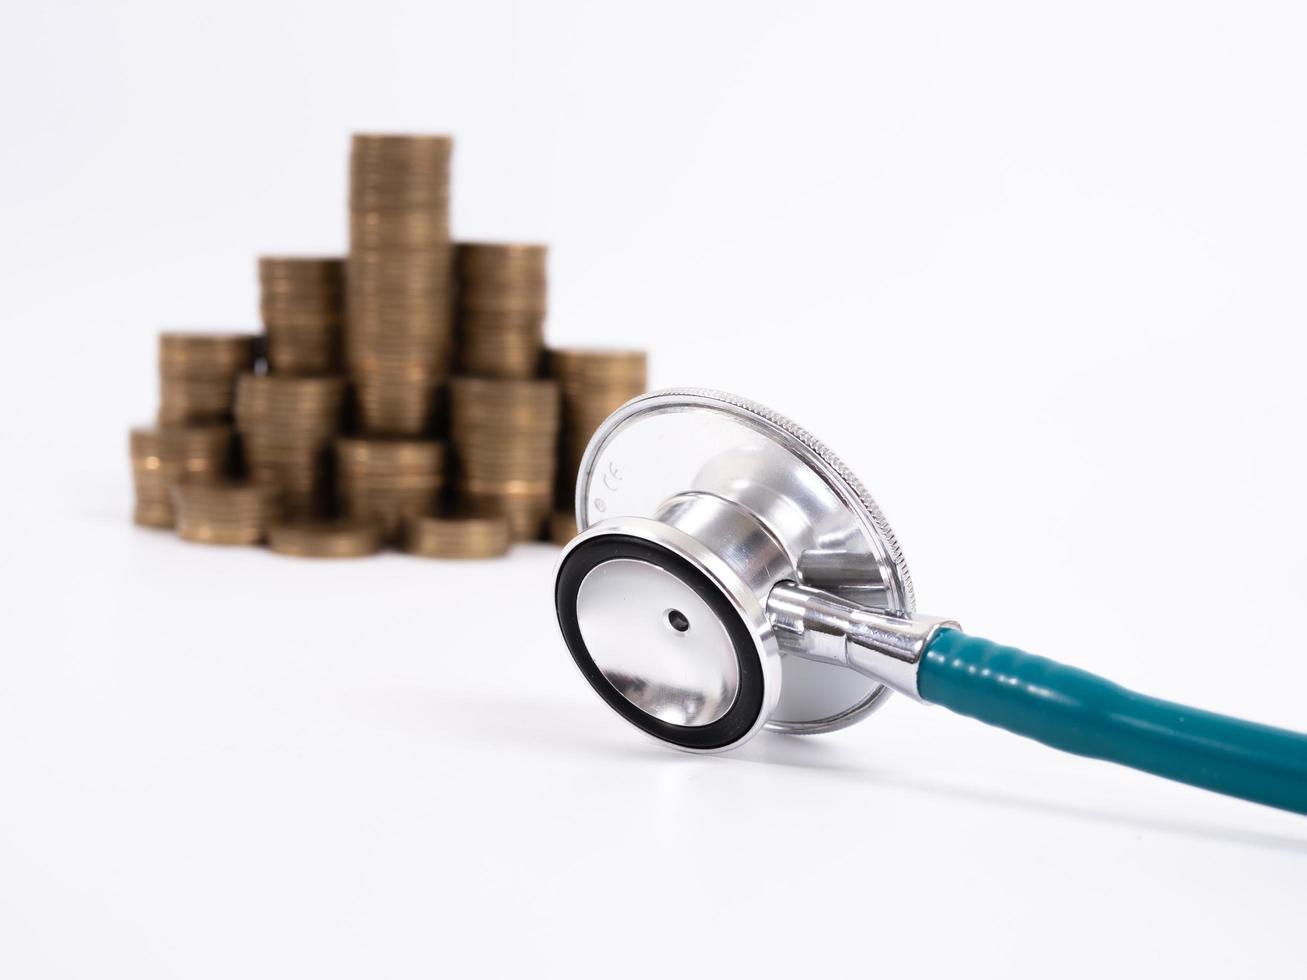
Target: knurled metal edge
(822,452)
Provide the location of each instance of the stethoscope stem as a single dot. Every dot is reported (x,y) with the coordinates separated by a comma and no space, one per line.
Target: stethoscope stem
(1079,712)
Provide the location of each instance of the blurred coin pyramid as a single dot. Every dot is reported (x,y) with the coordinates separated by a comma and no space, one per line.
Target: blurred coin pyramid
(399,396)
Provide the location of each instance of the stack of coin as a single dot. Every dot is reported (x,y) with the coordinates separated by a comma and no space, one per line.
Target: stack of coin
(457,537)
(164,456)
(504,437)
(386,481)
(325,539)
(286,427)
(222,513)
(399,303)
(302,302)
(502,301)
(197,372)
(594,383)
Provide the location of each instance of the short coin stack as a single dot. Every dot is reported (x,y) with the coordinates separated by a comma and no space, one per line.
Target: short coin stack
(286,427)
(222,513)
(502,300)
(387,481)
(325,539)
(399,336)
(503,435)
(594,384)
(197,374)
(458,537)
(164,456)
(303,306)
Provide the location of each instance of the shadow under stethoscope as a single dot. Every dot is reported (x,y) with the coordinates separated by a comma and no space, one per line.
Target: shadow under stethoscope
(808,755)
(558,724)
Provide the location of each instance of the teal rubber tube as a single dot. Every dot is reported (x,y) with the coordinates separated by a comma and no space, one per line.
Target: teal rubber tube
(1075,711)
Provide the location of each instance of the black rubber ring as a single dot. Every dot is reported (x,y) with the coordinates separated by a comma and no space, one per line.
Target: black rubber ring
(743,713)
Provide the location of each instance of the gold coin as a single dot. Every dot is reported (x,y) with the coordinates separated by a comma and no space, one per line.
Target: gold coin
(386,480)
(525,510)
(326,539)
(594,383)
(398,345)
(457,537)
(303,306)
(221,513)
(297,270)
(401,270)
(303,349)
(507,261)
(391,454)
(296,410)
(195,401)
(163,456)
(501,344)
(153,514)
(395,170)
(397,228)
(396,406)
(194,447)
(503,435)
(578,367)
(205,355)
(487,403)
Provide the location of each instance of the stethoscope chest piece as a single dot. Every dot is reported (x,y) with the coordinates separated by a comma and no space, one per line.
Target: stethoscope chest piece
(732,575)
(694,506)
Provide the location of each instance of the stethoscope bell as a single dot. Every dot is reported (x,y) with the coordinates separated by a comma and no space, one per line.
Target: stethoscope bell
(704,519)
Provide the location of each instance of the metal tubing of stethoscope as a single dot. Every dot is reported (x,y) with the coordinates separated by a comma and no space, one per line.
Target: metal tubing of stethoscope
(820,626)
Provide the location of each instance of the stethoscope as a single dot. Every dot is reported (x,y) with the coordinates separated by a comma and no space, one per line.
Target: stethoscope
(732,575)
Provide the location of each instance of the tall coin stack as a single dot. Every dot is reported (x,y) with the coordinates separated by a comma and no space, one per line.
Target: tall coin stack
(286,426)
(502,299)
(197,375)
(504,435)
(164,456)
(387,481)
(302,301)
(594,384)
(398,335)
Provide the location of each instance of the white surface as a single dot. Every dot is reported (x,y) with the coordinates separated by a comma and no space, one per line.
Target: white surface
(1036,272)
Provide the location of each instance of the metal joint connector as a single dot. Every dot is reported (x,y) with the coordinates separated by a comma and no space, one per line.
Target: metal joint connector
(819,626)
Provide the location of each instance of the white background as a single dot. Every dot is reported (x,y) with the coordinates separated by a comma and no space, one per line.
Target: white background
(1035,270)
